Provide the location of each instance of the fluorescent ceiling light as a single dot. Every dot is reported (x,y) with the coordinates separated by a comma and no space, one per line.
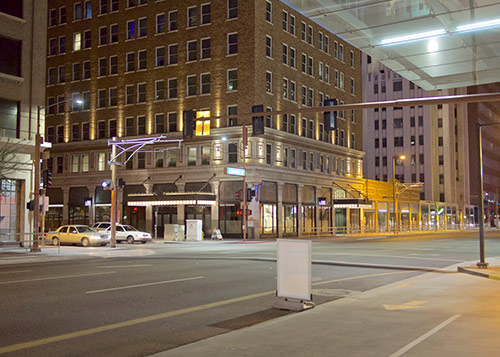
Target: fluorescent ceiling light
(478,25)
(413,37)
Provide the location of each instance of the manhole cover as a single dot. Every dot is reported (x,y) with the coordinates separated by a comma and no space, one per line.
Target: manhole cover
(340,293)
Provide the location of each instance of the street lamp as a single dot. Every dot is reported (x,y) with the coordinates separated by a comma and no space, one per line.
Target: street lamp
(36,188)
(394,201)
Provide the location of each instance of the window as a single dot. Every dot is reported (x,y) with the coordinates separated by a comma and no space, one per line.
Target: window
(172,54)
(159,123)
(130,61)
(113,96)
(292,61)
(101,98)
(232,110)
(205,14)
(398,123)
(87,41)
(412,140)
(310,97)
(269,82)
(114,5)
(113,65)
(420,140)
(62,44)
(397,86)
(285,20)
(440,141)
(293,158)
(285,54)
(77,41)
(269,47)
(310,35)
(103,7)
(384,124)
(172,122)
(141,93)
(62,15)
(88,9)
(205,83)
(303,32)
(285,88)
(293,91)
(160,23)
(143,27)
(440,122)
(232,79)
(60,135)
(172,88)
(353,141)
(103,66)
(141,125)
(232,150)
(192,51)
(353,62)
(129,94)
(52,17)
(352,87)
(160,90)
(269,11)
(232,43)
(205,45)
(420,120)
(441,160)
(192,16)
(131,30)
(129,129)
(341,52)
(269,154)
(52,76)
(113,33)
(191,85)
(77,14)
(142,59)
(75,163)
(398,141)
(77,71)
(61,73)
(191,156)
(173,20)
(101,129)
(232,9)
(304,160)
(103,36)
(52,45)
(293,124)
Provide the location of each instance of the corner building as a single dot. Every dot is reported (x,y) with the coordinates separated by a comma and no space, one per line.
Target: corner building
(138,65)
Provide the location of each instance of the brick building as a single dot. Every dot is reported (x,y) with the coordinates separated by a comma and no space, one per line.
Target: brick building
(137,65)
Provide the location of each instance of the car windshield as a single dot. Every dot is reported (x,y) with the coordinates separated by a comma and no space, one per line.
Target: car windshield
(83,229)
(129,228)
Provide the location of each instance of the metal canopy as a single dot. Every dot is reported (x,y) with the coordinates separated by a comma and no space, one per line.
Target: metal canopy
(435,44)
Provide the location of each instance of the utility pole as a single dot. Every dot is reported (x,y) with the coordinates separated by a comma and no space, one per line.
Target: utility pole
(245,145)
(36,190)
(113,194)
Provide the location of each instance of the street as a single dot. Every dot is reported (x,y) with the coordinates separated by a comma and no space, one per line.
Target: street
(158,296)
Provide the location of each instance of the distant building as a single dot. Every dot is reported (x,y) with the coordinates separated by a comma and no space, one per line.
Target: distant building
(434,139)
(22,89)
(138,65)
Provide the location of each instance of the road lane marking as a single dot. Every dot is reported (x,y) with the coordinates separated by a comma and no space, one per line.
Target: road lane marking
(405,306)
(141,285)
(68,336)
(55,277)
(424,336)
(15,271)
(123,266)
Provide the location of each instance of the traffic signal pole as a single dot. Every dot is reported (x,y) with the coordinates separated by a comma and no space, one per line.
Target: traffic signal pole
(113,196)
(245,145)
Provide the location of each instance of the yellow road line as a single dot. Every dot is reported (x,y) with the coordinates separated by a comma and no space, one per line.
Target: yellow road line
(68,336)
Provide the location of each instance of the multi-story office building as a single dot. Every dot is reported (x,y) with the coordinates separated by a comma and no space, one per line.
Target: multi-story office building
(485,114)
(433,138)
(22,89)
(138,65)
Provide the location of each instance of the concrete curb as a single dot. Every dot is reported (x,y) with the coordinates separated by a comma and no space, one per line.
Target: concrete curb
(477,272)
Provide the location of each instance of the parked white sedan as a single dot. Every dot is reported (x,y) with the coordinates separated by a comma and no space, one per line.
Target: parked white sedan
(124,232)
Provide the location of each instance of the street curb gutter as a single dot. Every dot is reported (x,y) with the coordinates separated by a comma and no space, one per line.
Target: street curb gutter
(477,273)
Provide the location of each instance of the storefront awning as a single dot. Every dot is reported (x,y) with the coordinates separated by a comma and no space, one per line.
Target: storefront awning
(352,203)
(172,199)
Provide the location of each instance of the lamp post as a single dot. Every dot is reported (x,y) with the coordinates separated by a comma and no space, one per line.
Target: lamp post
(36,188)
(394,200)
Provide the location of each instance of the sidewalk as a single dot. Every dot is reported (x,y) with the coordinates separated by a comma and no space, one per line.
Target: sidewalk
(431,315)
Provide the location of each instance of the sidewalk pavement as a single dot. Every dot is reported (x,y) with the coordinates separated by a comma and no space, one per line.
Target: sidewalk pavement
(433,314)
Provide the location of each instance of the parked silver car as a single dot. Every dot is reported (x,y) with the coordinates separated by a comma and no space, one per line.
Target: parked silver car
(124,232)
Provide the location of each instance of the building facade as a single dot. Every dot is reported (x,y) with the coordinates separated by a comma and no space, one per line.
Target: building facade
(138,65)
(434,140)
(22,89)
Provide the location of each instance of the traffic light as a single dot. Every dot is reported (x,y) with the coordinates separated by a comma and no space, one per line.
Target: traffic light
(46,178)
(250,194)
(188,117)
(239,195)
(30,205)
(106,184)
(330,117)
(258,122)
(120,183)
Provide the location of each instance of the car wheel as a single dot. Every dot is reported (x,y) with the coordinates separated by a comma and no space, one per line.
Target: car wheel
(85,242)
(130,240)
(55,241)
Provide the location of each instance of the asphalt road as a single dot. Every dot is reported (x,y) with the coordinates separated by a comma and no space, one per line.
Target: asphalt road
(168,295)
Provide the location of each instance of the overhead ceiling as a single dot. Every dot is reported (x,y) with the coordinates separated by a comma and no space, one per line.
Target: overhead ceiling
(436,44)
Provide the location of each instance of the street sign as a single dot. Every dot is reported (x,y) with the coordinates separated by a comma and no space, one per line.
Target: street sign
(234,171)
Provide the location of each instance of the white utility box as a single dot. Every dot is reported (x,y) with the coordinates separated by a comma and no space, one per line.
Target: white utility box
(194,230)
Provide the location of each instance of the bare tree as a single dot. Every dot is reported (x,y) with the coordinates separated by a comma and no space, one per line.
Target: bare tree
(10,160)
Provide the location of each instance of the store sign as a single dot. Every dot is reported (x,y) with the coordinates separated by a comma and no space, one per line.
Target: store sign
(235,171)
(322,201)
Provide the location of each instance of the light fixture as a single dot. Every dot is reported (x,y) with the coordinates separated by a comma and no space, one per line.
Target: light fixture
(478,25)
(412,37)
(223,138)
(78,101)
